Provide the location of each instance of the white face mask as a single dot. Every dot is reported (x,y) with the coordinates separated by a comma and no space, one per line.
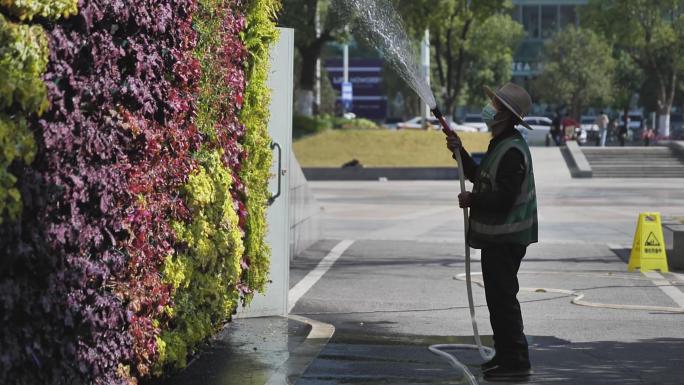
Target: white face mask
(488,114)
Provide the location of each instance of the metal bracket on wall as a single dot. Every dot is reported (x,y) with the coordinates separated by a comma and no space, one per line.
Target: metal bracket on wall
(281,172)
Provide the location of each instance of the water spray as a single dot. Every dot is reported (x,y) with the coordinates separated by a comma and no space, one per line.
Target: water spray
(380,26)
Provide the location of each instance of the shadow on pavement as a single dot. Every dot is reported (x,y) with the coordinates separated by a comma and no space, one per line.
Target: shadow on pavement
(403,360)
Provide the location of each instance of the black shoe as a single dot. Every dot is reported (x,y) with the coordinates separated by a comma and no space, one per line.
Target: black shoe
(506,372)
(490,364)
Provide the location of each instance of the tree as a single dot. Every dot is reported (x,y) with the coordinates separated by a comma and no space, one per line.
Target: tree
(627,81)
(489,56)
(577,68)
(472,44)
(306,16)
(651,32)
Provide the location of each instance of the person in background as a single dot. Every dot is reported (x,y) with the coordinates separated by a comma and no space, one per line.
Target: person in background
(612,130)
(556,128)
(602,123)
(569,125)
(622,132)
(648,135)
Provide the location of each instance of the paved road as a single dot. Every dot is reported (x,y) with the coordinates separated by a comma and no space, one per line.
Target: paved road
(392,292)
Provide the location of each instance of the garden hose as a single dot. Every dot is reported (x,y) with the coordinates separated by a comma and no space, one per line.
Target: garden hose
(486,353)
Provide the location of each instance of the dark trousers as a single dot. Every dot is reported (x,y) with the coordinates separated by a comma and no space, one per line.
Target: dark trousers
(500,264)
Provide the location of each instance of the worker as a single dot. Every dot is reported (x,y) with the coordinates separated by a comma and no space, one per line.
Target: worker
(503,222)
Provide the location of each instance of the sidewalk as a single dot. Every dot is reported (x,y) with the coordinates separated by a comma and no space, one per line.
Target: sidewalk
(256,351)
(392,292)
(374,344)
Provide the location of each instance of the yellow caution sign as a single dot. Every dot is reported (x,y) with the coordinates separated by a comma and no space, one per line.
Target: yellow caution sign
(648,248)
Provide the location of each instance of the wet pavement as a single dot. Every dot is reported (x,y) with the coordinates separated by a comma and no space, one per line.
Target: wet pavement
(375,359)
(246,352)
(393,292)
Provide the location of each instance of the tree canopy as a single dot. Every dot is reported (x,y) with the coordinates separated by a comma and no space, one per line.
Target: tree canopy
(651,33)
(472,44)
(578,68)
(316,23)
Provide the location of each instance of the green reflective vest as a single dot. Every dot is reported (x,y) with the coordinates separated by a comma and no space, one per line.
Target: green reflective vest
(519,224)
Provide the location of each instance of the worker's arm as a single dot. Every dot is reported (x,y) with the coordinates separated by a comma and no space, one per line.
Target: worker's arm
(469,166)
(509,178)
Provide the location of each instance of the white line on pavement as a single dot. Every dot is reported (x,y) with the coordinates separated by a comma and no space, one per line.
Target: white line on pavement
(314,275)
(671,291)
(303,355)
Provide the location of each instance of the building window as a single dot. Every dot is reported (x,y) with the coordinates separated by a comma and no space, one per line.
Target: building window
(530,16)
(568,15)
(516,13)
(549,20)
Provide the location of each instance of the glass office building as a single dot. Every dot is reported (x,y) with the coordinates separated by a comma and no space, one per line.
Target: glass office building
(540,19)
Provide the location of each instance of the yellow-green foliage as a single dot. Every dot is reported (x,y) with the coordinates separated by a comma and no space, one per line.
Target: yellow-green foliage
(258,36)
(204,277)
(23,58)
(205,274)
(50,9)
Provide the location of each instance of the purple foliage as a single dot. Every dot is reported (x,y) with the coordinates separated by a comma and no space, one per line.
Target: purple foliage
(79,282)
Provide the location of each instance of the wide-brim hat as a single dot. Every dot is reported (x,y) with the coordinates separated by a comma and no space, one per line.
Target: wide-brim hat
(515,98)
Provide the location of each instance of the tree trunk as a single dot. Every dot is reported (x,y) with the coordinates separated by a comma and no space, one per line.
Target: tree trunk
(666,91)
(664,121)
(307,80)
(304,102)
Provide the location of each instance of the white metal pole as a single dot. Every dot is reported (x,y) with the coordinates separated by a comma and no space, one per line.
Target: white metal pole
(425,63)
(317,84)
(345,63)
(345,66)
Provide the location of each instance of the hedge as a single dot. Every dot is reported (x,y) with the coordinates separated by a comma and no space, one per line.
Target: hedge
(259,33)
(133,174)
(205,277)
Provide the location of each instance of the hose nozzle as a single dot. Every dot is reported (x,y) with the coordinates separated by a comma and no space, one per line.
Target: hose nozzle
(445,126)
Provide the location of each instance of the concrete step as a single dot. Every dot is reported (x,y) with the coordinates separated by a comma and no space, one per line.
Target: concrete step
(634,162)
(637,161)
(632,175)
(634,165)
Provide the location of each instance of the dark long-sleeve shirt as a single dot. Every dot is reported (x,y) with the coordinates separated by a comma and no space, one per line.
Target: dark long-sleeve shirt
(509,176)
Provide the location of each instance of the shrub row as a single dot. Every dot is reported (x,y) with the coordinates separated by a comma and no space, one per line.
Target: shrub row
(133,203)
(304,125)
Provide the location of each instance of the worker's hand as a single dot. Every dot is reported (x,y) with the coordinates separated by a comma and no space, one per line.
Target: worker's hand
(465,199)
(453,142)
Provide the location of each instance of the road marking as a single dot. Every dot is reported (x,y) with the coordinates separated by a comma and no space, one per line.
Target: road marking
(314,275)
(666,286)
(303,355)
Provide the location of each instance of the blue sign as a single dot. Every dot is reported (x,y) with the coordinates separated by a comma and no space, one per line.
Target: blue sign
(367,83)
(347,92)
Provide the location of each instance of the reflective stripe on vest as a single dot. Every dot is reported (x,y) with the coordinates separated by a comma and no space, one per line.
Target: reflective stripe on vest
(506,228)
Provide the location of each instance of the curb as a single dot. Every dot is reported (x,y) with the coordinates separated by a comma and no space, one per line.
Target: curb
(576,161)
(304,354)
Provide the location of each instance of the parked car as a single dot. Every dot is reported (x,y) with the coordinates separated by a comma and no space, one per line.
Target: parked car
(588,125)
(391,123)
(676,122)
(416,123)
(539,135)
(475,121)
(635,121)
